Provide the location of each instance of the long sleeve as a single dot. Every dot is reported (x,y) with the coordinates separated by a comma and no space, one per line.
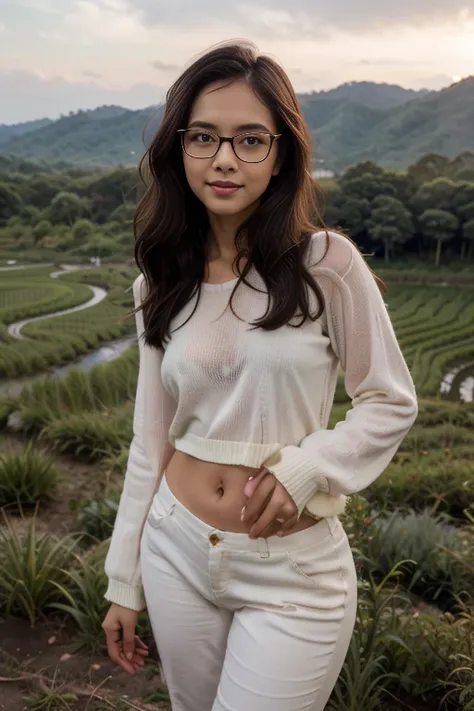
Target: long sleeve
(122,564)
(350,457)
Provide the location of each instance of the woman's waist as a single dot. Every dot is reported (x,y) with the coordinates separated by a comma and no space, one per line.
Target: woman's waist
(214,492)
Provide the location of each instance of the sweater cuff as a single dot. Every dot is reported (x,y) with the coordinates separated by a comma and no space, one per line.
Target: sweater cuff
(130,596)
(296,472)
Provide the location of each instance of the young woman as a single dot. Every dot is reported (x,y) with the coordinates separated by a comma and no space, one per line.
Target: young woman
(228,523)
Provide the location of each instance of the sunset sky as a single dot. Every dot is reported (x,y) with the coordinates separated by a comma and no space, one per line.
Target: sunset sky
(62,55)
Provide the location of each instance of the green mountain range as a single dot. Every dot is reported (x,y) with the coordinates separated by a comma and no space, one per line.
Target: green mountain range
(353,122)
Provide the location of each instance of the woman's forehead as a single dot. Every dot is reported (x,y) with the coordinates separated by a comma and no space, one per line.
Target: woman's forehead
(231,105)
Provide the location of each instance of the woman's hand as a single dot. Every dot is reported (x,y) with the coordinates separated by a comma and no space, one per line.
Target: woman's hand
(268,501)
(123,645)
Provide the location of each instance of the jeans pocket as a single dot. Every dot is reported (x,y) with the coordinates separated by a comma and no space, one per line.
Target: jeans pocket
(158,514)
(304,570)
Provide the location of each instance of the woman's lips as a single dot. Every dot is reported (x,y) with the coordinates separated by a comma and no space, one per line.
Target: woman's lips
(224,189)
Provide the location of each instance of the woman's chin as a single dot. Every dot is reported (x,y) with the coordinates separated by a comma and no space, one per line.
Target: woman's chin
(225,208)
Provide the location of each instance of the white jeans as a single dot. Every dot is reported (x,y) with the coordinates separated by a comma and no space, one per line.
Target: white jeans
(247,624)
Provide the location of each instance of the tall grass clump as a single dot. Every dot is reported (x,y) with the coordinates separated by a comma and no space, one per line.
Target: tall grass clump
(27,476)
(32,565)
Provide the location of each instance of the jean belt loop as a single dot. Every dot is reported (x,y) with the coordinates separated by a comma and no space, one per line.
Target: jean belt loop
(263,548)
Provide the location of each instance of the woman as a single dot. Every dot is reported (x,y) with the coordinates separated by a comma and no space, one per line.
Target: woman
(234,485)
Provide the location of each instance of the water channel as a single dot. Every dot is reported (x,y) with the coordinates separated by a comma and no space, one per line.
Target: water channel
(108,351)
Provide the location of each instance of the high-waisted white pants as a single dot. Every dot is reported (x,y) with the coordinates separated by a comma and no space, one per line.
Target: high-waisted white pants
(247,624)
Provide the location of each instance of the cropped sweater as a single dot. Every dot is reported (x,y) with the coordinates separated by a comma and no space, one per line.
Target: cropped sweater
(226,392)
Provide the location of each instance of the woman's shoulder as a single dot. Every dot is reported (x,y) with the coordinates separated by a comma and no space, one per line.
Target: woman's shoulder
(331,252)
(139,289)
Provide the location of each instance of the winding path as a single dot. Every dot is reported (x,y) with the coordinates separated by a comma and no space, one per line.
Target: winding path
(98,295)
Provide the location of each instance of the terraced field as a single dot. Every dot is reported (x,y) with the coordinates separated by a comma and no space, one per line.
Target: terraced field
(46,342)
(435,328)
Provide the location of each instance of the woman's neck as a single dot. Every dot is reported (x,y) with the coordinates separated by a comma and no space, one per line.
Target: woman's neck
(223,230)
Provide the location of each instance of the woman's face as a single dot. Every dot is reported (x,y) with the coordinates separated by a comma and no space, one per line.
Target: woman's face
(228,110)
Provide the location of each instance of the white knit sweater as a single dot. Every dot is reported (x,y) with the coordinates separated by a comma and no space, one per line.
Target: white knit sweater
(228,393)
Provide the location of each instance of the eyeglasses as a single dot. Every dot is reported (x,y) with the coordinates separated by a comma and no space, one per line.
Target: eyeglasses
(251,147)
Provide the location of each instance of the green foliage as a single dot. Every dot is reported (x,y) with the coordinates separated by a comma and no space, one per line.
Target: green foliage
(66,208)
(26,477)
(10,202)
(84,602)
(91,435)
(439,478)
(41,230)
(62,338)
(366,674)
(100,390)
(51,700)
(390,222)
(22,297)
(96,518)
(32,564)
(82,230)
(422,539)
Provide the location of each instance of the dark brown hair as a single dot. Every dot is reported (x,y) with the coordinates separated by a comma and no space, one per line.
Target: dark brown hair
(171,224)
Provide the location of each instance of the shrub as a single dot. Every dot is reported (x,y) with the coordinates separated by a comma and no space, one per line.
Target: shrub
(441,478)
(96,518)
(421,539)
(92,435)
(26,477)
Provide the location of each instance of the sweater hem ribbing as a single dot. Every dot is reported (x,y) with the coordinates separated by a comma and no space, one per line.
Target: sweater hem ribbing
(245,454)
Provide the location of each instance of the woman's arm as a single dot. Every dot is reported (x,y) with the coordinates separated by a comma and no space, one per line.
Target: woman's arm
(348,458)
(122,564)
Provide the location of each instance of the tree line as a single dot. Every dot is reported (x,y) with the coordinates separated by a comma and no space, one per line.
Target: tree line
(427,211)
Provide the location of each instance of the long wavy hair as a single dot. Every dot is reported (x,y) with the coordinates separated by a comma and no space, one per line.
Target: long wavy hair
(171,225)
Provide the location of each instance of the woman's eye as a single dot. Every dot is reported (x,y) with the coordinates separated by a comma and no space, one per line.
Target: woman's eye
(202,137)
(251,140)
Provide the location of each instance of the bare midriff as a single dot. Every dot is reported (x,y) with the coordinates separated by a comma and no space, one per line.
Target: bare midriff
(215,493)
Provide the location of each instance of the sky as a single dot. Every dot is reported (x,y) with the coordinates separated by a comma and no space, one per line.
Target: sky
(58,56)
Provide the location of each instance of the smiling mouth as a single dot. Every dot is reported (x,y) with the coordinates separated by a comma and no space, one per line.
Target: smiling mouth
(224,184)
(224,188)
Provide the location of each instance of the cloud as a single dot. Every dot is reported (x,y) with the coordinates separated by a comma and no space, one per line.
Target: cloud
(91,75)
(165,66)
(316,16)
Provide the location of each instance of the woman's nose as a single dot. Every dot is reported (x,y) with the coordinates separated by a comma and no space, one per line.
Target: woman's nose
(225,158)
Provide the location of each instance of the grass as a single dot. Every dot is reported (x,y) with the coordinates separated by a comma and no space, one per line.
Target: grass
(27,476)
(32,565)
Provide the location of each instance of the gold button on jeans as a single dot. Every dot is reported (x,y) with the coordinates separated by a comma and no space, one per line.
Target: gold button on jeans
(214,539)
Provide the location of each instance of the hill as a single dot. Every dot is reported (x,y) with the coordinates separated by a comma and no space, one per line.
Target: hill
(8,132)
(355,121)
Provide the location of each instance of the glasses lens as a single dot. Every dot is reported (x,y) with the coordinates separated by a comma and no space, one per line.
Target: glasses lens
(200,144)
(252,147)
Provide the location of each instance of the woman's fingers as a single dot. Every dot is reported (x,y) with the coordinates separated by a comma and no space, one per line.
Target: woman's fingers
(259,500)
(266,519)
(253,482)
(140,644)
(114,650)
